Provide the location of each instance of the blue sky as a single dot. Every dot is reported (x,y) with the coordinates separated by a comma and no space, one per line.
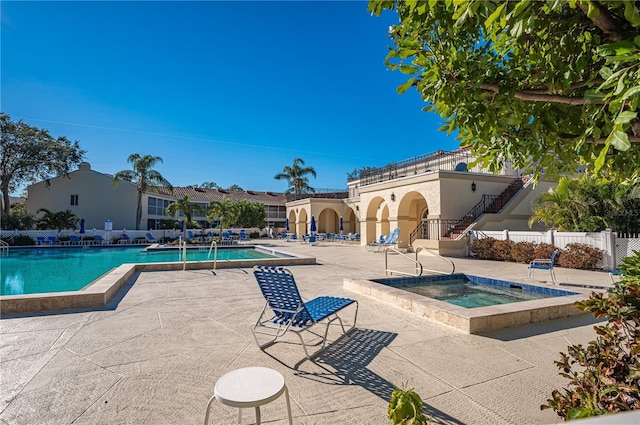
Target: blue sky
(228,92)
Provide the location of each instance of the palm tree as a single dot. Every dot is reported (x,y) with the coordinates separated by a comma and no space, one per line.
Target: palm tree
(57,220)
(224,209)
(185,206)
(145,177)
(569,207)
(296,176)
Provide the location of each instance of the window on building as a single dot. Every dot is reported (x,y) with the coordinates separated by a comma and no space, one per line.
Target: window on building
(74,199)
(157,206)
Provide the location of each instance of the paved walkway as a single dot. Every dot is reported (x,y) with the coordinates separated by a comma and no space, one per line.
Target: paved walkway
(153,355)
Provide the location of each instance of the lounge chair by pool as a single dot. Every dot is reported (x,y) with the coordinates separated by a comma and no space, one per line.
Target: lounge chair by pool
(291,313)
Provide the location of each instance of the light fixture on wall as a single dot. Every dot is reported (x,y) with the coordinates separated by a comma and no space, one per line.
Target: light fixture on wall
(393,196)
(473,186)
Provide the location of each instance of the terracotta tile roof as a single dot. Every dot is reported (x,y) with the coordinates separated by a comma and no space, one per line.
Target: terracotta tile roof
(207,195)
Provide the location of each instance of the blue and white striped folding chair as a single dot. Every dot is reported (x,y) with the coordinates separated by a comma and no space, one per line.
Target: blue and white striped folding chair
(285,310)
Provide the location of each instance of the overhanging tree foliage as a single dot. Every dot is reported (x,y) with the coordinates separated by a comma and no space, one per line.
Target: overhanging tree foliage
(29,154)
(545,83)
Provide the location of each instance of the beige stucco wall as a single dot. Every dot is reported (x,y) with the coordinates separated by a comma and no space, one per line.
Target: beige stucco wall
(327,213)
(379,208)
(98,199)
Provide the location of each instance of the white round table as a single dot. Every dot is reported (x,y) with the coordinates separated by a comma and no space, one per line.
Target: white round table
(249,387)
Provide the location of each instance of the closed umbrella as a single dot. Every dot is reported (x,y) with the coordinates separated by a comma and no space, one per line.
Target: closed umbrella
(286,225)
(341,225)
(82,228)
(313,224)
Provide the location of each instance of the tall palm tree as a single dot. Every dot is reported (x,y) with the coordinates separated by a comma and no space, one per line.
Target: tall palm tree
(185,206)
(296,176)
(144,176)
(224,209)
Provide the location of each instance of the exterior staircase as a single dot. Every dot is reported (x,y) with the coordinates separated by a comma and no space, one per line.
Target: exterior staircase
(453,229)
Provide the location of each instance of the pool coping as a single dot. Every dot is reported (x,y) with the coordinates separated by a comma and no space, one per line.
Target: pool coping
(98,293)
(479,319)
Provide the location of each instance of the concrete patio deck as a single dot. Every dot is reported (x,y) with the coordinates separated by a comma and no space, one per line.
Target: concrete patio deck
(153,355)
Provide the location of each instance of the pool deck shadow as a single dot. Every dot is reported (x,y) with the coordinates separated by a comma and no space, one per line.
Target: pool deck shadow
(152,355)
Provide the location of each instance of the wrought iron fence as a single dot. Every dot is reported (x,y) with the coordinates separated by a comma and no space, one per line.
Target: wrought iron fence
(320,193)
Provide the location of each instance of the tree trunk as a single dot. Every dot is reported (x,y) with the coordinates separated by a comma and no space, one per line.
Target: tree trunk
(5,198)
(139,211)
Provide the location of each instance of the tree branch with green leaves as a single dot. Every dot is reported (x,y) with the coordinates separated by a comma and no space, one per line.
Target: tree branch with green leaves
(547,85)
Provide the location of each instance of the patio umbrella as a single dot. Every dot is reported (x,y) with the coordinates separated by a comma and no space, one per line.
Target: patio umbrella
(182,226)
(341,224)
(81,228)
(286,225)
(313,227)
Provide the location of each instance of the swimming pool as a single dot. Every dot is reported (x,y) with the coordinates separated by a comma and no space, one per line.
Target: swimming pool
(543,302)
(38,270)
(471,291)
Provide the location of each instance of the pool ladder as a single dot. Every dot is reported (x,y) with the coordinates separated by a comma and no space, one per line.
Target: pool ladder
(183,248)
(4,248)
(419,268)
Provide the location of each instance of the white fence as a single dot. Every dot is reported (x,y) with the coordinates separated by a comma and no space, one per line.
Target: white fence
(113,234)
(614,248)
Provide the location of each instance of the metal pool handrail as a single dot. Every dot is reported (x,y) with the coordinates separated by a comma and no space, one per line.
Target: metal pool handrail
(213,245)
(4,247)
(453,266)
(387,270)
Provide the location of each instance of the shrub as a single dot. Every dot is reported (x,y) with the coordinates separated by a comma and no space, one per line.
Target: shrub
(604,376)
(254,235)
(523,252)
(405,408)
(502,250)
(580,256)
(544,250)
(19,240)
(484,248)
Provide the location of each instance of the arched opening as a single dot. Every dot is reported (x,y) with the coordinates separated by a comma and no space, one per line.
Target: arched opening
(301,225)
(351,223)
(292,222)
(411,211)
(377,220)
(328,221)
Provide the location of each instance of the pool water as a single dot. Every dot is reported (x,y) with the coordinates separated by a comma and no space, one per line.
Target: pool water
(464,292)
(30,271)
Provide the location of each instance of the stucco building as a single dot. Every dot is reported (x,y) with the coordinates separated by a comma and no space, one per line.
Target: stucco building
(91,195)
(433,199)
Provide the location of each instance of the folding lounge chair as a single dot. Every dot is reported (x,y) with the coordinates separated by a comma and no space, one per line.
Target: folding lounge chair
(544,264)
(290,312)
(99,240)
(41,240)
(149,237)
(390,240)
